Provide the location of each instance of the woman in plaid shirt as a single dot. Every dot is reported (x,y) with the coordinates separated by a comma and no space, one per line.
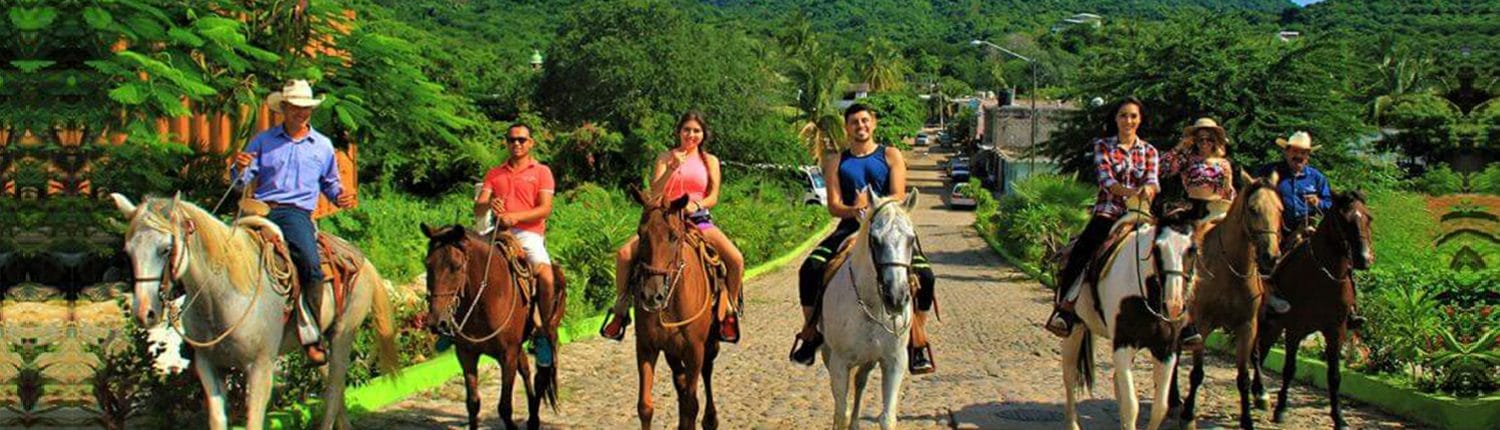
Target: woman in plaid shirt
(1126,166)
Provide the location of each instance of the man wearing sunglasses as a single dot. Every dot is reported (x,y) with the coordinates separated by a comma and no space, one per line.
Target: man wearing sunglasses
(518,194)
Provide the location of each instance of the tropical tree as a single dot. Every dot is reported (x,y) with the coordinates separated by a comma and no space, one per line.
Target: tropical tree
(882,66)
(1400,71)
(818,74)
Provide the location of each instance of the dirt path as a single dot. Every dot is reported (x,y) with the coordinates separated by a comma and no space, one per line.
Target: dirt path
(996,367)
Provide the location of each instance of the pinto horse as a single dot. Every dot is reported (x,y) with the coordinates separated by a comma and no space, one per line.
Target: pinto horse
(1119,307)
(1235,258)
(467,277)
(1316,276)
(673,301)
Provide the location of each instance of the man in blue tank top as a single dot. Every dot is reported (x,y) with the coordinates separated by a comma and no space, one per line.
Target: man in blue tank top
(883,169)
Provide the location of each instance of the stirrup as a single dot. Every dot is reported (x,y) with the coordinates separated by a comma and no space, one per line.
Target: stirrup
(805,351)
(609,320)
(729,329)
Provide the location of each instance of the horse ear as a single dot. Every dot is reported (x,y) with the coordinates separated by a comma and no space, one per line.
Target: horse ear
(1272,180)
(678,205)
(638,195)
(426,230)
(911,200)
(124,205)
(1245,179)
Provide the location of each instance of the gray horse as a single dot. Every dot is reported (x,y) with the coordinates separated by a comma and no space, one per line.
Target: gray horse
(234,313)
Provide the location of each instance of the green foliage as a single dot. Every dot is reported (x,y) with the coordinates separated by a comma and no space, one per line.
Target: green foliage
(1037,217)
(1438,181)
(1403,230)
(1487,181)
(900,117)
(1256,86)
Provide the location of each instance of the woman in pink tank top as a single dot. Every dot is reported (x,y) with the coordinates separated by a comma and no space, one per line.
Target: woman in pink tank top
(686,171)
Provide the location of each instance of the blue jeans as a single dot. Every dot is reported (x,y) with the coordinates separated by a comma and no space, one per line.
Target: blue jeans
(300,234)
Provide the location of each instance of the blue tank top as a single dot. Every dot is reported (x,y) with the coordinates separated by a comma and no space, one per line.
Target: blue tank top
(855,173)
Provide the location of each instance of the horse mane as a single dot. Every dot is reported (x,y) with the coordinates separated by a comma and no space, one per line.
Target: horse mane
(222,247)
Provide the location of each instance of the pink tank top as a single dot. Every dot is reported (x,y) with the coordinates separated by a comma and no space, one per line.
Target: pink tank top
(690,179)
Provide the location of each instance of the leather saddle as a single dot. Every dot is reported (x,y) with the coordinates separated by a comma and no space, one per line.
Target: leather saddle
(341,263)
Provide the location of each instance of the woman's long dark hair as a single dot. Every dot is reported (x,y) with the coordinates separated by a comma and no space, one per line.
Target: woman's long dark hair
(708,136)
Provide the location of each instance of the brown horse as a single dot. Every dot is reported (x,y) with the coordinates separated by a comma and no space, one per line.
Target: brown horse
(1316,276)
(672,302)
(1230,289)
(501,318)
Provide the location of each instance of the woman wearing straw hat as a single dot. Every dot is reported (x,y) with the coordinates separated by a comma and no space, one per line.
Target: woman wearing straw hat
(1206,174)
(291,164)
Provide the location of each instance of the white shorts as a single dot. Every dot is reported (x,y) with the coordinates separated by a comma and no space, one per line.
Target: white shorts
(535,246)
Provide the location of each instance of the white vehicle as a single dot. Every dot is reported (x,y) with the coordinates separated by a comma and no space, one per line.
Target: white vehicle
(958,198)
(814,192)
(922,139)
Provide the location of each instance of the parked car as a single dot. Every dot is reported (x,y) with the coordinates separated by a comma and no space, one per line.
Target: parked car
(959,197)
(956,164)
(922,139)
(814,191)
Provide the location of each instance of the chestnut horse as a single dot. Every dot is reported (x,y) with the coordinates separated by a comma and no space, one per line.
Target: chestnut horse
(672,304)
(457,261)
(1230,287)
(1317,277)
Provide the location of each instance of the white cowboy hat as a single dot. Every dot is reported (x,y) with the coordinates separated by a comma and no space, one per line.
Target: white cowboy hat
(297,92)
(1299,140)
(1210,124)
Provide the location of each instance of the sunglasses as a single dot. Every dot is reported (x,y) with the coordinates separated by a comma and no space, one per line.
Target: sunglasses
(517,140)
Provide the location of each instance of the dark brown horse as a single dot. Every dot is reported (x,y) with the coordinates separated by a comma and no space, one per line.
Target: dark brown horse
(486,315)
(673,306)
(1229,290)
(1316,276)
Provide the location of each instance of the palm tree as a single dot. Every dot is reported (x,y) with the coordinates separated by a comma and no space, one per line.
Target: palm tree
(882,66)
(818,74)
(1402,72)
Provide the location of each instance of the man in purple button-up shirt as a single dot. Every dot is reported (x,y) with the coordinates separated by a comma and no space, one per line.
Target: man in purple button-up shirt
(291,164)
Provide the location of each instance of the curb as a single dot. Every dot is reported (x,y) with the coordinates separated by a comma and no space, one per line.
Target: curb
(1029,269)
(436,371)
(1391,396)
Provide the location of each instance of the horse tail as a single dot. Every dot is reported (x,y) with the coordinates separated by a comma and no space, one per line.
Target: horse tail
(545,381)
(1085,361)
(387,355)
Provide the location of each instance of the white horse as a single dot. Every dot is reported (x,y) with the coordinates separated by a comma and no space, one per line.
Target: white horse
(234,315)
(1119,309)
(867,310)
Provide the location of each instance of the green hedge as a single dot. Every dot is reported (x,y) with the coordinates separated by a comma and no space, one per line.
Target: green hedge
(1040,214)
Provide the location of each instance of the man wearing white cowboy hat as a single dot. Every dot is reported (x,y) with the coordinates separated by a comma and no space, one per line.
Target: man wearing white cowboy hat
(1304,192)
(292,164)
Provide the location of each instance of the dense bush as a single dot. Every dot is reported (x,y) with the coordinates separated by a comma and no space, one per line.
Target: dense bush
(1439,181)
(1039,216)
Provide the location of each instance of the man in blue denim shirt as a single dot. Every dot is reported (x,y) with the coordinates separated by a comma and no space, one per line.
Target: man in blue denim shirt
(293,164)
(1304,193)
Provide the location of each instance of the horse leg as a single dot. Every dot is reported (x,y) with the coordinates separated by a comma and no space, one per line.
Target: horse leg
(1162,375)
(508,366)
(533,398)
(1288,370)
(469,362)
(861,379)
(1174,395)
(334,412)
(685,380)
(1245,340)
(838,378)
(893,370)
(710,413)
(213,393)
(1195,379)
(646,369)
(1072,380)
(259,378)
(1268,334)
(1332,340)
(1125,387)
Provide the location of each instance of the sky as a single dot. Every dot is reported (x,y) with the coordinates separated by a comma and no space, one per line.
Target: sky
(1305,2)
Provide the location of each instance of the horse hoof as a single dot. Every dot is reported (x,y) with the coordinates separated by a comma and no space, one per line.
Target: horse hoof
(1261,403)
(1279,417)
(1189,425)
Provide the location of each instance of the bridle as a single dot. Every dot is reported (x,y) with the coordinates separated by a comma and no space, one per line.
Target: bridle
(672,274)
(451,311)
(169,274)
(882,262)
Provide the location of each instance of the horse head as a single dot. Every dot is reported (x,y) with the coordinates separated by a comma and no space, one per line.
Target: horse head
(447,276)
(891,238)
(659,259)
(154,241)
(1177,255)
(1261,219)
(1353,219)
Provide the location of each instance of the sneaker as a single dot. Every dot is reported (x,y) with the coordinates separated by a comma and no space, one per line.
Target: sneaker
(614,328)
(1278,304)
(805,352)
(542,347)
(729,329)
(1059,325)
(920,360)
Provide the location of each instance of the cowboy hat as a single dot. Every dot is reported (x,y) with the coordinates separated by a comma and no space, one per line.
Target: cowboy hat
(297,92)
(1210,124)
(1299,140)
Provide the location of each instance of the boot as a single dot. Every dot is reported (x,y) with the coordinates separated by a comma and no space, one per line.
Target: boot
(1060,323)
(805,349)
(541,347)
(729,328)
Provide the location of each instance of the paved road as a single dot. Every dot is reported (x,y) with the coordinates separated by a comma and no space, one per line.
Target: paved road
(996,367)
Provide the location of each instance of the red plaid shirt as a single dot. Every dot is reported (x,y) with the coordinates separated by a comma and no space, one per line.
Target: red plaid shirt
(1134,168)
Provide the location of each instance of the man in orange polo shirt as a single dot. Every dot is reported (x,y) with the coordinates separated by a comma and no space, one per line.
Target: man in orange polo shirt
(519,195)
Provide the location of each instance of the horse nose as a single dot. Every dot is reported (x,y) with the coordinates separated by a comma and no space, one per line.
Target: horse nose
(147,317)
